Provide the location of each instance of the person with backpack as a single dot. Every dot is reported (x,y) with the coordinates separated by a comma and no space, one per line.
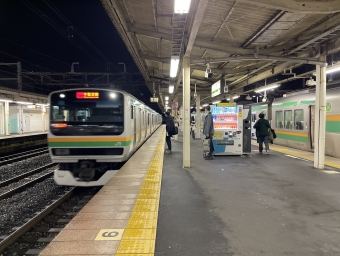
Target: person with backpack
(262,127)
(170,127)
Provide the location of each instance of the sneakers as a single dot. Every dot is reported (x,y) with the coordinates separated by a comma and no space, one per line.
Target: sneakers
(167,151)
(267,152)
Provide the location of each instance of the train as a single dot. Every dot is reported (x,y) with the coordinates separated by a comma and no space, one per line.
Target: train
(293,119)
(92,130)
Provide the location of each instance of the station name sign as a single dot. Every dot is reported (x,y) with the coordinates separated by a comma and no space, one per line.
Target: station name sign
(216,89)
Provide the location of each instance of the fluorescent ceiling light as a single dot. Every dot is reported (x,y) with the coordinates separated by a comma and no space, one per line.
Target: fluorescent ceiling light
(216,102)
(333,69)
(171,88)
(24,102)
(235,97)
(204,105)
(4,100)
(166,97)
(39,104)
(265,88)
(174,66)
(182,6)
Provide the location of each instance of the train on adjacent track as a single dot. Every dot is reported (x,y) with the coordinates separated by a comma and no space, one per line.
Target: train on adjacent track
(293,118)
(93,130)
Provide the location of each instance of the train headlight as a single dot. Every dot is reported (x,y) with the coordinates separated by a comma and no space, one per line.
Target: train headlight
(113,95)
(62,95)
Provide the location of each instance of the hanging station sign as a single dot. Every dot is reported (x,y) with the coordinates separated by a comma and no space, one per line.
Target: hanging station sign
(216,89)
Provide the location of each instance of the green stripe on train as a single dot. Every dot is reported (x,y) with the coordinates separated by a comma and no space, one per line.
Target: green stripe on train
(292,137)
(89,144)
(333,126)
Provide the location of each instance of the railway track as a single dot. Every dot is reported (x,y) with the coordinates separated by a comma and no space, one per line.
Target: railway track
(27,184)
(20,156)
(32,237)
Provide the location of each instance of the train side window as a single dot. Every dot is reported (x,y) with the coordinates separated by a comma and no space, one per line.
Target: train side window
(131,112)
(288,119)
(148,119)
(298,119)
(279,119)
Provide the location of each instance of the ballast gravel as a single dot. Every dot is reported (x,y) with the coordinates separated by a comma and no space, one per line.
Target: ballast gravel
(9,171)
(14,210)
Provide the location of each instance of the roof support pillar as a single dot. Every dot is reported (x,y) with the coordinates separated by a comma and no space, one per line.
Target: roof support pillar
(186,112)
(320,117)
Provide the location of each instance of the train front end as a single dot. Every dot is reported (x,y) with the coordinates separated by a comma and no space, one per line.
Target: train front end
(87,137)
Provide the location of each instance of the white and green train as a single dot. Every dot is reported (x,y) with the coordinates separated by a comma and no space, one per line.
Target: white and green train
(292,118)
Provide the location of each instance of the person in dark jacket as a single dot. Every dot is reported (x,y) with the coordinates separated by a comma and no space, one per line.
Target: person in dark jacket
(208,130)
(262,127)
(169,129)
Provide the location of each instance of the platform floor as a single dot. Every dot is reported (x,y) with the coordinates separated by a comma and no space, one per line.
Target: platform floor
(264,205)
(21,135)
(329,161)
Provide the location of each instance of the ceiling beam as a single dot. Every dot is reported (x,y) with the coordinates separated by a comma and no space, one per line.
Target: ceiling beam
(305,6)
(202,5)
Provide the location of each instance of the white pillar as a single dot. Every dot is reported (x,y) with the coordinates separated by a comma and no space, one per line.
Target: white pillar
(7,117)
(21,118)
(198,117)
(2,119)
(320,118)
(186,112)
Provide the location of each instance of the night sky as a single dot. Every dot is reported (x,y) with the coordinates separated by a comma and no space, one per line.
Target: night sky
(50,35)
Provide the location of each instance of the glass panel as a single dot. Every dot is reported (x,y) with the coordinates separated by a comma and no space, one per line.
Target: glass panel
(265,114)
(288,119)
(79,112)
(131,112)
(298,119)
(279,119)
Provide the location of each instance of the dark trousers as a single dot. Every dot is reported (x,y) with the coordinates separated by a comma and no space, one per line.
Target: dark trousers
(168,141)
(262,140)
(211,145)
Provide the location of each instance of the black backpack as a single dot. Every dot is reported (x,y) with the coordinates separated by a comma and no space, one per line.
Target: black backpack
(175,130)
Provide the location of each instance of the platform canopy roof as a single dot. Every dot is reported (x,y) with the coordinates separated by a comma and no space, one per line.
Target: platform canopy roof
(245,41)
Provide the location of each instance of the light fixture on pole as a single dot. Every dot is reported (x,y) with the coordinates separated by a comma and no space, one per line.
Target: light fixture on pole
(182,6)
(268,87)
(171,88)
(174,66)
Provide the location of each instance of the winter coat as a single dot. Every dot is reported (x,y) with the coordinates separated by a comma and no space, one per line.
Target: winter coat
(208,127)
(262,126)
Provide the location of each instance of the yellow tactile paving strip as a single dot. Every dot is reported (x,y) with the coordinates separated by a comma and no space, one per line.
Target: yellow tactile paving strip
(329,161)
(140,234)
(122,218)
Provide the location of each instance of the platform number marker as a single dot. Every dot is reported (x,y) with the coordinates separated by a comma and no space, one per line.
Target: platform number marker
(110,234)
(328,107)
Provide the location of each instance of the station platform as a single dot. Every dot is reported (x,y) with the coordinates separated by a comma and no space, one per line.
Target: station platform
(269,205)
(16,143)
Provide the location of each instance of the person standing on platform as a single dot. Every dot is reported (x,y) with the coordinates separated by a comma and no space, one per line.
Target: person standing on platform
(262,127)
(208,130)
(169,130)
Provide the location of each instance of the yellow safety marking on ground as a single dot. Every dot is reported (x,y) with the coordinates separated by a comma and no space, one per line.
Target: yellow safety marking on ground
(144,234)
(136,246)
(110,234)
(289,151)
(292,133)
(139,237)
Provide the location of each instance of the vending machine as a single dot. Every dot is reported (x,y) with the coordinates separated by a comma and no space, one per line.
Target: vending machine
(232,128)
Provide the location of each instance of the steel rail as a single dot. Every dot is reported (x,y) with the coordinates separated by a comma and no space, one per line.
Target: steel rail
(9,240)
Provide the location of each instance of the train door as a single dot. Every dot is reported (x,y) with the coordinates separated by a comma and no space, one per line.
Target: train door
(140,125)
(133,116)
(311,125)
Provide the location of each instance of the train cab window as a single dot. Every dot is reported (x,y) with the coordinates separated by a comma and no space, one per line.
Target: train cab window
(288,119)
(279,119)
(87,113)
(298,119)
